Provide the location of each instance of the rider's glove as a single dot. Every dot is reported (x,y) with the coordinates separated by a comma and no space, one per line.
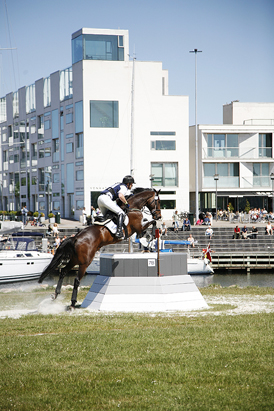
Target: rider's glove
(127,205)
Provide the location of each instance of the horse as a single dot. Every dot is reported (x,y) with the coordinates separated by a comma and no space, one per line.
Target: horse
(81,248)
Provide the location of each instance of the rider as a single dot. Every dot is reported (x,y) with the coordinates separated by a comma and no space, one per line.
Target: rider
(107,200)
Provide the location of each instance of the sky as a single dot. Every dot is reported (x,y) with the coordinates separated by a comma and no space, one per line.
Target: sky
(236,38)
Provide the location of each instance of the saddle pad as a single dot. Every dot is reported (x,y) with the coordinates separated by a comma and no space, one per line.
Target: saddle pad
(111,226)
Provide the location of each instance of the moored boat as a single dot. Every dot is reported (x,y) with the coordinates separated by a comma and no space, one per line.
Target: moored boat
(20,260)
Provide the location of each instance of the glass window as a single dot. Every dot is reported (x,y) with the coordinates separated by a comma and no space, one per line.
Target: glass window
(66,90)
(47,92)
(165,174)
(79,204)
(265,145)
(80,175)
(79,152)
(69,148)
(47,125)
(55,125)
(30,98)
(104,114)
(79,117)
(162,133)
(15,104)
(97,47)
(3,109)
(261,174)
(222,145)
(209,169)
(56,177)
(163,145)
(77,49)
(69,177)
(56,205)
(69,118)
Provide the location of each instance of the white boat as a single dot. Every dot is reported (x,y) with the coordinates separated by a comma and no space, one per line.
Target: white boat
(7,227)
(20,260)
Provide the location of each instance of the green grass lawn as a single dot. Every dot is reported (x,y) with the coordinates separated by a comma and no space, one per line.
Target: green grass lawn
(138,362)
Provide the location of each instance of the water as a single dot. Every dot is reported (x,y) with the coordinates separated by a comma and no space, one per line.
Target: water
(225,280)
(242,280)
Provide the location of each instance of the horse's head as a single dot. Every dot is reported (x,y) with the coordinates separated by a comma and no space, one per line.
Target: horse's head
(153,204)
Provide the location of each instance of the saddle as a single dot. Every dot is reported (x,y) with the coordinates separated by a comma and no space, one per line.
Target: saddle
(110,221)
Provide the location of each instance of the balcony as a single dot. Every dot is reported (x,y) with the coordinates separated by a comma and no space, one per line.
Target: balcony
(237,152)
(223,182)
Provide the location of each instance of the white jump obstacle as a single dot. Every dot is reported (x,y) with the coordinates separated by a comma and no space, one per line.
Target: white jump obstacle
(130,283)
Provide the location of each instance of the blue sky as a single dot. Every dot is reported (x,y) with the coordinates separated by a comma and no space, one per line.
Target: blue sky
(236,38)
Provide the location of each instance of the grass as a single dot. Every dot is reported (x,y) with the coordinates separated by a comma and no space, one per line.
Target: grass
(138,362)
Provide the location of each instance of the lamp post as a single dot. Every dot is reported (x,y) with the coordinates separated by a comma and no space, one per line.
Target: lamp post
(272,179)
(196,141)
(216,178)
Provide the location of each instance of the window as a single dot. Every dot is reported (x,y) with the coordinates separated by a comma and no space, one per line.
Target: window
(47,92)
(165,174)
(222,145)
(79,152)
(228,175)
(30,98)
(47,125)
(56,178)
(56,205)
(97,47)
(54,126)
(15,104)
(261,174)
(265,145)
(79,204)
(104,114)
(66,91)
(3,110)
(162,133)
(69,118)
(55,144)
(163,145)
(79,175)
(69,148)
(69,177)
(79,117)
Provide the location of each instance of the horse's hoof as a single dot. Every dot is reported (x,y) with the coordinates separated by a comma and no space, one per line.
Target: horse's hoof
(70,308)
(53,297)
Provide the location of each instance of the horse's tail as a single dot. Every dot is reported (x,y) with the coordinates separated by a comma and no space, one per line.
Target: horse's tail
(63,253)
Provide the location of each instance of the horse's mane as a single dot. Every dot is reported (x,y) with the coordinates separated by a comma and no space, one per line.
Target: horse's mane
(138,190)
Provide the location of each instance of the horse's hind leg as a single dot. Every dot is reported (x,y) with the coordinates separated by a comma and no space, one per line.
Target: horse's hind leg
(81,272)
(62,275)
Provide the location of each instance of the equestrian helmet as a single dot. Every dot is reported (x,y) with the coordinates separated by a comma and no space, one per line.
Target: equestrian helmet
(128,180)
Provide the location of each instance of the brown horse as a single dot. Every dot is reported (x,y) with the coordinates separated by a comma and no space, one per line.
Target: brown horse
(81,248)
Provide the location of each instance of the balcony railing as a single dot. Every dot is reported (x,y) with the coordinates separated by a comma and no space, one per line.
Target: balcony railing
(254,182)
(238,152)
(223,182)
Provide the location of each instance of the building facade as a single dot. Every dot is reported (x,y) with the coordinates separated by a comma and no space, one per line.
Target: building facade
(236,159)
(73,133)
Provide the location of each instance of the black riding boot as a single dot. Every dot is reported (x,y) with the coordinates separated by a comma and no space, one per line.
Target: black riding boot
(119,232)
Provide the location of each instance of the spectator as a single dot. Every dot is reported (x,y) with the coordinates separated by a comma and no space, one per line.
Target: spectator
(207,220)
(186,224)
(191,240)
(199,222)
(163,229)
(92,214)
(236,232)
(84,214)
(209,232)
(268,229)
(55,229)
(24,212)
(254,232)
(57,241)
(176,221)
(244,232)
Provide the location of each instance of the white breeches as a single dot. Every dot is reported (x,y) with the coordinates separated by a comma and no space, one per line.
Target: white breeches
(105,203)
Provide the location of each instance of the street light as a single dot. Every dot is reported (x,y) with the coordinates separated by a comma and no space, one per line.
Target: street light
(272,179)
(196,141)
(151,177)
(216,178)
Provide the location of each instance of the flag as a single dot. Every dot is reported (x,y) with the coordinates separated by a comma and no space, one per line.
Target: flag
(207,253)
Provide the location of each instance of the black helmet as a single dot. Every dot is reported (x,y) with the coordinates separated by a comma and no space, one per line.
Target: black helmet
(128,180)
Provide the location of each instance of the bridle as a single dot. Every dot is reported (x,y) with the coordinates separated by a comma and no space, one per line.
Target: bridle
(155,210)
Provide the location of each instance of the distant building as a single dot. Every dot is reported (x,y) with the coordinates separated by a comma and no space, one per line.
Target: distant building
(68,136)
(240,152)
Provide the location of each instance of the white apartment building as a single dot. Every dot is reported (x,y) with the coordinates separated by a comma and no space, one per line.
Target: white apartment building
(73,133)
(239,153)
